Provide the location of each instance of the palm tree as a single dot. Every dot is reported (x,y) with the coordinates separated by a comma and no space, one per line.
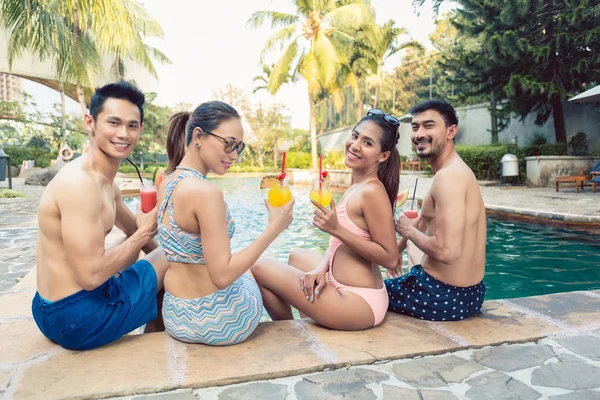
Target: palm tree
(144,26)
(262,81)
(375,45)
(317,41)
(74,34)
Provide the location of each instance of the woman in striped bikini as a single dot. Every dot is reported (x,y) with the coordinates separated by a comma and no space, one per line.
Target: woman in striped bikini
(210,297)
(344,289)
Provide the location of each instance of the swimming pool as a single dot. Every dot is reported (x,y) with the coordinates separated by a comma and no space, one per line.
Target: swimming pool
(522,259)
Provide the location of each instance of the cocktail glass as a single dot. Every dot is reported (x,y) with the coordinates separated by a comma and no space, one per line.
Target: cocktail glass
(321,194)
(279,194)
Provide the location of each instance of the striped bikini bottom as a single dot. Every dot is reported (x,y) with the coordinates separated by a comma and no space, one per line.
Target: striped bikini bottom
(225,317)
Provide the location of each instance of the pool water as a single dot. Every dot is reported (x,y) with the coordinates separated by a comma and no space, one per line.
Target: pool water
(522,259)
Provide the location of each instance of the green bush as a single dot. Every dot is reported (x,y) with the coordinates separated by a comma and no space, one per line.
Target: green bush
(578,143)
(10,194)
(532,151)
(538,140)
(41,156)
(334,159)
(553,149)
(297,159)
(485,160)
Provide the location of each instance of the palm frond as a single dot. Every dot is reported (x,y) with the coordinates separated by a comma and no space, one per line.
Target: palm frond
(278,40)
(278,19)
(282,67)
(349,17)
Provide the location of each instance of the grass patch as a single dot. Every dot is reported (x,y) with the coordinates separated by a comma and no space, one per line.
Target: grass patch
(10,194)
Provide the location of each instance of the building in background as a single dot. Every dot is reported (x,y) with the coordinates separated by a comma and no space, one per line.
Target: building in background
(10,87)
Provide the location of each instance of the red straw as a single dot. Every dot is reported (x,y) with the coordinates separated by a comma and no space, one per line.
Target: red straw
(283,166)
(320,171)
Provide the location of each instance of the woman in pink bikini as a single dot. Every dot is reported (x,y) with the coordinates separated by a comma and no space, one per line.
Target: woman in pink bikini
(343,289)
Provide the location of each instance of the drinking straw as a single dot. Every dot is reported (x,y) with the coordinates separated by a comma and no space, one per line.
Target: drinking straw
(321,171)
(283,166)
(137,170)
(414,194)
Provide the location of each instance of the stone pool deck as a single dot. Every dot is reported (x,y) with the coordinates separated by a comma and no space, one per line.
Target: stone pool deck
(545,347)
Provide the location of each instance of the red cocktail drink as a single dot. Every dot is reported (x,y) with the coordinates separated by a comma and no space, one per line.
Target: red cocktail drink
(148,197)
(412,214)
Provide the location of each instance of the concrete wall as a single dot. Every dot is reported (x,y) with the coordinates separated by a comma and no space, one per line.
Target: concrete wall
(542,170)
(475,124)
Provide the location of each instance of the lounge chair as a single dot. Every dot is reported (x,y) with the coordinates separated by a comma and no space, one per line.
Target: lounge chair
(578,181)
(595,175)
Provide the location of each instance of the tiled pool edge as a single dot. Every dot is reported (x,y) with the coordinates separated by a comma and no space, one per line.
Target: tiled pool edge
(544,217)
(31,366)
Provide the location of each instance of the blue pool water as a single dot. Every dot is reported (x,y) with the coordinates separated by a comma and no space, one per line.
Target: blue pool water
(522,259)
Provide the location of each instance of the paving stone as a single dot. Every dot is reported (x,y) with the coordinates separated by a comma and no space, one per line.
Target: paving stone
(573,375)
(499,324)
(125,367)
(437,395)
(574,309)
(342,384)
(261,390)
(168,396)
(261,356)
(512,358)
(584,345)
(22,340)
(435,371)
(583,395)
(395,393)
(417,339)
(16,305)
(499,386)
(4,379)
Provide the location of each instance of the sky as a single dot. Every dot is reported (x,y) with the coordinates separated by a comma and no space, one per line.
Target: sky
(211,46)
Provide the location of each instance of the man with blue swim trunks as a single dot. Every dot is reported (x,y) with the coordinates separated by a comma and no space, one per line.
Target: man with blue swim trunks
(447,239)
(88,296)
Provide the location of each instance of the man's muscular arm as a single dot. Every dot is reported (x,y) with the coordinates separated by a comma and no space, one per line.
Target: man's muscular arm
(448,193)
(125,220)
(82,231)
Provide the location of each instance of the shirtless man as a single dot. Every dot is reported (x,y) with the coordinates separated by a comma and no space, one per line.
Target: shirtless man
(449,235)
(88,296)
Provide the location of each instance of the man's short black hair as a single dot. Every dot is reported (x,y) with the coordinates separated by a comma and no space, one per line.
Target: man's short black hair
(445,109)
(117,90)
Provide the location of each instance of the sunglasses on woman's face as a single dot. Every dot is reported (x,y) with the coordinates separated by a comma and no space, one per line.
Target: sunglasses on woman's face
(390,119)
(230,145)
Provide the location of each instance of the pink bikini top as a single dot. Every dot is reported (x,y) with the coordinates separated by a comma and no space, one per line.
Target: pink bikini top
(345,221)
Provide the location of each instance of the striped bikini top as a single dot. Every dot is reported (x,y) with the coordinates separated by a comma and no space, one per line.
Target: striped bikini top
(179,245)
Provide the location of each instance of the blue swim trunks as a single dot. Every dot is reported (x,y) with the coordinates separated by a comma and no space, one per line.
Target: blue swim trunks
(420,295)
(89,319)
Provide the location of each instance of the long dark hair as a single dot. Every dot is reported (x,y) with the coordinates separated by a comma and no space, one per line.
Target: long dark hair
(389,170)
(207,116)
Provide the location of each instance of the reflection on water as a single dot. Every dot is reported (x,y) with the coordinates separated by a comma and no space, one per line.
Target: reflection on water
(522,259)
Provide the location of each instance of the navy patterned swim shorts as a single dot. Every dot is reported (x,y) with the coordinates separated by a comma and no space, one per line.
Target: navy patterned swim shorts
(418,294)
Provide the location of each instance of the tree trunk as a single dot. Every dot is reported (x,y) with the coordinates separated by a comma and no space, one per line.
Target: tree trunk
(377,85)
(557,109)
(77,37)
(63,115)
(313,131)
(494,117)
(394,96)
(559,119)
(81,98)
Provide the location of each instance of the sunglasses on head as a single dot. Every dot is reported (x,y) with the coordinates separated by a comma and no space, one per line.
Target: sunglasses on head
(390,119)
(230,145)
